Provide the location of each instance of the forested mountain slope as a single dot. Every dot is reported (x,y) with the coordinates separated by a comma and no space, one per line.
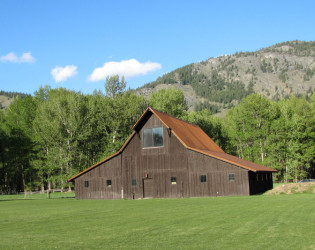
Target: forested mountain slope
(7,97)
(222,82)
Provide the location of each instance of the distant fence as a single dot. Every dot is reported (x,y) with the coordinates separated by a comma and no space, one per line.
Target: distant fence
(38,195)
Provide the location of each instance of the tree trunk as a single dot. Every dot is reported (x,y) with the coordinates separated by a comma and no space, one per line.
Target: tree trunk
(261,152)
(23,180)
(42,186)
(49,183)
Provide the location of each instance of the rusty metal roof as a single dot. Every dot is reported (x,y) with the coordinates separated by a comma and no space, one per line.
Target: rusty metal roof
(193,138)
(237,161)
(190,135)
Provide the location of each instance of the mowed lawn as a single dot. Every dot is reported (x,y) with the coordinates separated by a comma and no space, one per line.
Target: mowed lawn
(256,222)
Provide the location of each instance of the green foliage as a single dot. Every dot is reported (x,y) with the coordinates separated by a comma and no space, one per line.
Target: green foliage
(280,135)
(213,108)
(284,75)
(13,94)
(52,136)
(17,145)
(47,138)
(263,222)
(114,86)
(249,126)
(170,101)
(309,74)
(297,48)
(266,66)
(214,88)
(211,125)
(222,81)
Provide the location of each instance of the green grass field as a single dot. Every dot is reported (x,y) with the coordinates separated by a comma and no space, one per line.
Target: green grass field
(55,195)
(256,222)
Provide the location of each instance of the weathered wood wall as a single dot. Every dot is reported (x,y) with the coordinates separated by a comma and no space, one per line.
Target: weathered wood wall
(97,178)
(146,172)
(217,174)
(153,167)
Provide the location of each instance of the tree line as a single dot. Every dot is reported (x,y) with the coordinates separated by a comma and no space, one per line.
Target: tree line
(53,135)
(56,133)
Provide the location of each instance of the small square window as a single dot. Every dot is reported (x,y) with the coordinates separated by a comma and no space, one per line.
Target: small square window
(203,178)
(108,183)
(231,177)
(173,180)
(86,184)
(134,182)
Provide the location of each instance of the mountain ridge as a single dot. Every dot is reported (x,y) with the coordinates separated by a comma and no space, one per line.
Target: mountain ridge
(222,82)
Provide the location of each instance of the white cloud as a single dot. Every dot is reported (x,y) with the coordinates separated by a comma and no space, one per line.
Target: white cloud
(62,74)
(27,58)
(128,68)
(12,57)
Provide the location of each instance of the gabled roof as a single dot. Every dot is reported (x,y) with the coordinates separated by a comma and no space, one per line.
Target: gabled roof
(192,137)
(105,160)
(195,139)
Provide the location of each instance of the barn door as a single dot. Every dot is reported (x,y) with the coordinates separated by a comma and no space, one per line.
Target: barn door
(147,188)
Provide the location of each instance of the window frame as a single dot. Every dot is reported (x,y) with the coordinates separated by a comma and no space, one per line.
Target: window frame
(203,178)
(86,184)
(173,180)
(109,183)
(134,182)
(231,175)
(153,133)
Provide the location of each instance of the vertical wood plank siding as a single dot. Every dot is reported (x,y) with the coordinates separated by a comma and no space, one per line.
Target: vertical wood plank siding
(157,164)
(217,174)
(151,169)
(97,178)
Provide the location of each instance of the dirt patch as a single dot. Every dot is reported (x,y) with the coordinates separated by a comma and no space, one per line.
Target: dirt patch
(293,188)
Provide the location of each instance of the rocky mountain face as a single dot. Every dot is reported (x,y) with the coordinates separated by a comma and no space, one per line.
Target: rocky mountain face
(220,83)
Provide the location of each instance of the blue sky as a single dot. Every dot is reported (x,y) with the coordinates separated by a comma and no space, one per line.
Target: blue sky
(76,44)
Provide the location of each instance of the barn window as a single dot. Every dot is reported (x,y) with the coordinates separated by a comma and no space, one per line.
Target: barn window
(203,178)
(108,183)
(86,184)
(134,182)
(173,180)
(231,177)
(153,137)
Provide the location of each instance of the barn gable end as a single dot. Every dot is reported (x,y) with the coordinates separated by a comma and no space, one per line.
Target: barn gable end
(184,162)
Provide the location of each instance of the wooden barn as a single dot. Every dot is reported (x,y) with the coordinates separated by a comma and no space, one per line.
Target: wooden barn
(166,157)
